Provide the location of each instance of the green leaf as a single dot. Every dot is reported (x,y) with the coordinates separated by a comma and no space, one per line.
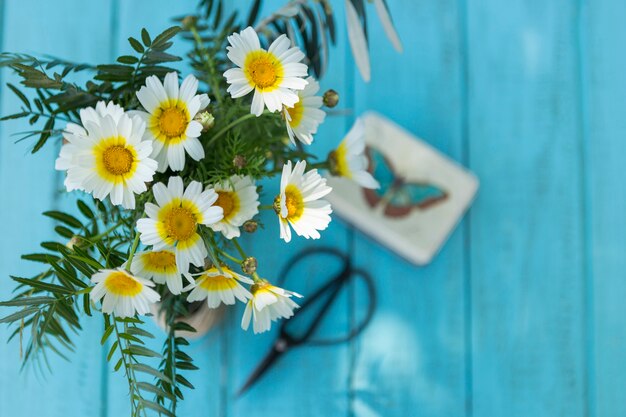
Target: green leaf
(45,258)
(186,365)
(19,315)
(45,286)
(106,334)
(63,218)
(20,95)
(118,365)
(180,326)
(156,407)
(24,301)
(140,367)
(53,246)
(112,351)
(64,232)
(183,381)
(141,351)
(45,134)
(181,341)
(84,208)
(136,45)
(145,386)
(157,57)
(15,116)
(87,304)
(145,37)
(61,272)
(139,332)
(130,337)
(183,356)
(91,262)
(128,59)
(69,314)
(166,35)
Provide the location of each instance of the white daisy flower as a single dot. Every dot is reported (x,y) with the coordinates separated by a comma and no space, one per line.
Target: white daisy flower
(299,203)
(306,115)
(272,74)
(169,119)
(159,266)
(349,159)
(107,157)
(173,222)
(239,200)
(268,304)
(122,294)
(220,287)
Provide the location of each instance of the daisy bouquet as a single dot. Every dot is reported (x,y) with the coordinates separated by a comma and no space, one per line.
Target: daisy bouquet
(166,169)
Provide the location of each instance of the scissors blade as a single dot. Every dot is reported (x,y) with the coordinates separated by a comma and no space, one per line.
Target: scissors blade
(262,368)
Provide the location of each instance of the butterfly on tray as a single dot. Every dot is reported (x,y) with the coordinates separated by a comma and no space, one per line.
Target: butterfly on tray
(398,195)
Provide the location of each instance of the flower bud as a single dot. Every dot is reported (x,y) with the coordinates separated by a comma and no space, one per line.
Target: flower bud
(330,98)
(189,22)
(332,164)
(206,119)
(276,205)
(75,240)
(248,266)
(250,226)
(239,161)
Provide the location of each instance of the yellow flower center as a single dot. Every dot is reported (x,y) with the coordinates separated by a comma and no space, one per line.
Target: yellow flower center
(161,259)
(217,283)
(228,201)
(295,113)
(120,283)
(339,162)
(173,122)
(117,160)
(180,223)
(294,202)
(263,70)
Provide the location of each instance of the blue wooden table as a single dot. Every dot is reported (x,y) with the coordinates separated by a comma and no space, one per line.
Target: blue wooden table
(523,313)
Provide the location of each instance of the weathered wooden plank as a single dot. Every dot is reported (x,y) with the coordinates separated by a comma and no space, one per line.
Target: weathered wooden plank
(412,359)
(309,381)
(526,244)
(31,186)
(604,85)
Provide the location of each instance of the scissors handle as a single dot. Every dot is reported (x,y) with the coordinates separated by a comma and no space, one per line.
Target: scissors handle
(332,288)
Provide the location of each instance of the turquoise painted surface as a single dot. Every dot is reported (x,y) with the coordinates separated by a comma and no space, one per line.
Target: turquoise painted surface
(521,314)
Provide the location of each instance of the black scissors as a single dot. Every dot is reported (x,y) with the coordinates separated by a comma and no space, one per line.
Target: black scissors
(323,296)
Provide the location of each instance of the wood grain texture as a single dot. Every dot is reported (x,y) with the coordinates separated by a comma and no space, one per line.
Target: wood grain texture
(603,68)
(416,344)
(526,242)
(31,186)
(307,382)
(522,312)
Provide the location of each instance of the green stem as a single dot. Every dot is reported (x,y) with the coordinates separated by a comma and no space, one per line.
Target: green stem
(133,249)
(106,232)
(239,248)
(232,258)
(318,165)
(131,385)
(209,63)
(266,207)
(230,126)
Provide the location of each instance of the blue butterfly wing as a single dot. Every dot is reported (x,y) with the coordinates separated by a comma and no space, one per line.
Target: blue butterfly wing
(381,170)
(414,195)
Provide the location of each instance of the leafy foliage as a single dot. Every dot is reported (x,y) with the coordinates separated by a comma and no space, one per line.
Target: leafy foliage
(47,307)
